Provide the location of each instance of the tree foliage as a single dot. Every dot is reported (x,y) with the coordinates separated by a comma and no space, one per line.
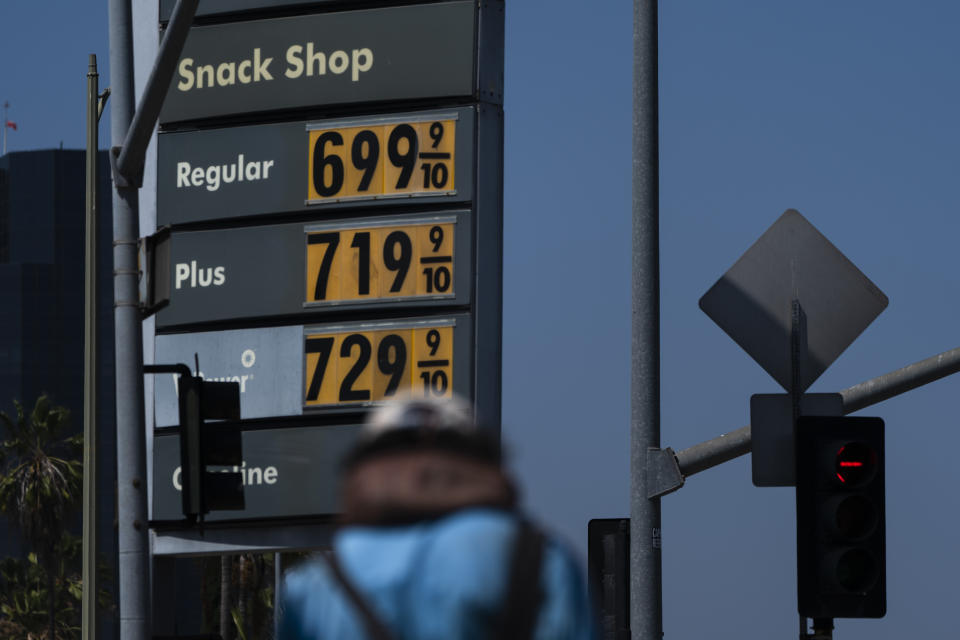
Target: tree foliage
(41,480)
(41,472)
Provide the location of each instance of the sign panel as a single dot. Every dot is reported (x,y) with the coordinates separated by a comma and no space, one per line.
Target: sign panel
(263,361)
(772,453)
(752,302)
(265,169)
(289,371)
(371,55)
(414,260)
(286,473)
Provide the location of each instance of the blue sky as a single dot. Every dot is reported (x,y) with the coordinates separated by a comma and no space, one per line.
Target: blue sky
(844,111)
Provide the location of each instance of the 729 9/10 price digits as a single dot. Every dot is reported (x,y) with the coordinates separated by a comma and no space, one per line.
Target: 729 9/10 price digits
(365,366)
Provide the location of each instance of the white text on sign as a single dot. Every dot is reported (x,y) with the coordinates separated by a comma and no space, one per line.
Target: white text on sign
(300,60)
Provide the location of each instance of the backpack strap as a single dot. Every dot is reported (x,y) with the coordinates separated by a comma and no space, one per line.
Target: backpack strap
(376,630)
(523,597)
(520,606)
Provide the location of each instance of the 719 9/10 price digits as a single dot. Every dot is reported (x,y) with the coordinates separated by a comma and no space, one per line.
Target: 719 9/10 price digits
(379,261)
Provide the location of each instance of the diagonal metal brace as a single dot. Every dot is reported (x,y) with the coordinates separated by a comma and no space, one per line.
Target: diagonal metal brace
(663,472)
(737,443)
(127,160)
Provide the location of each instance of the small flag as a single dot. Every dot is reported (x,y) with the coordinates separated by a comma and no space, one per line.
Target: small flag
(12,125)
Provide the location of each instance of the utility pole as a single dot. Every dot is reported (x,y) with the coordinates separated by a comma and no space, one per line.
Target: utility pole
(646,601)
(132,542)
(95,104)
(130,134)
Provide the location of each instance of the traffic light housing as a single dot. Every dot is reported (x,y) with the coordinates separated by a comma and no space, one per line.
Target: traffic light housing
(204,444)
(608,573)
(841,540)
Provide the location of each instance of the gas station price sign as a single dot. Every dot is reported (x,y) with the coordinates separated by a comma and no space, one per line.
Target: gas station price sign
(358,262)
(381,158)
(362,364)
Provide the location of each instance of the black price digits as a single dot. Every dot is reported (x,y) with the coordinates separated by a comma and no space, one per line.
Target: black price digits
(433,341)
(366,163)
(436,237)
(331,239)
(322,346)
(434,383)
(392,360)
(347,392)
(361,242)
(436,134)
(404,161)
(321,162)
(434,174)
(399,264)
(436,278)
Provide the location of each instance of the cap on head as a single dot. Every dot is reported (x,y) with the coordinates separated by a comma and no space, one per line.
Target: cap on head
(410,412)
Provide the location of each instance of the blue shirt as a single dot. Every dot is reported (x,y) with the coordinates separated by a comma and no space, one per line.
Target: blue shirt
(441,580)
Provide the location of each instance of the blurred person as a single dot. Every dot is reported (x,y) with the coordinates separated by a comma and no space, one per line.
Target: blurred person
(432,545)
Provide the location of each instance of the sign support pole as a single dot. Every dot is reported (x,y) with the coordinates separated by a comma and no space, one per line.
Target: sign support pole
(133,129)
(646,601)
(132,543)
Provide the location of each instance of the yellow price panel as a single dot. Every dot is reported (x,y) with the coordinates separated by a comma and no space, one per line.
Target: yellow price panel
(382,159)
(348,367)
(380,261)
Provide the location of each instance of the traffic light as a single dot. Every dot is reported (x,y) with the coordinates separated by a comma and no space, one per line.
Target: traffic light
(608,572)
(205,444)
(841,545)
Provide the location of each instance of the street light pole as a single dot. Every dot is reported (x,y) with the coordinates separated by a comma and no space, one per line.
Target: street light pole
(646,601)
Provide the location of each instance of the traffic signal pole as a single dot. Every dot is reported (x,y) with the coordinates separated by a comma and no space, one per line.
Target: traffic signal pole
(133,552)
(130,133)
(736,443)
(646,602)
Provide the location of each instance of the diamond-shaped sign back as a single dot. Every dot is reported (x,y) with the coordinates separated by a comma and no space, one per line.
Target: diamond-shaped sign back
(753,301)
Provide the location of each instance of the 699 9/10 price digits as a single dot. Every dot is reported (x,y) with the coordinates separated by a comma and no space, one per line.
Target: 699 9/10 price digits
(414,157)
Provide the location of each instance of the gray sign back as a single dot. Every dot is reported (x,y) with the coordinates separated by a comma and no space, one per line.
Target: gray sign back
(752,302)
(772,433)
(371,55)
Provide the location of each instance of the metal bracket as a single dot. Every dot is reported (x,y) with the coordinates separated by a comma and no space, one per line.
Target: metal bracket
(182,369)
(663,472)
(121,180)
(102,102)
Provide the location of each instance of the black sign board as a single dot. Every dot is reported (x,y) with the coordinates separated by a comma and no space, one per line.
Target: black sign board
(224,7)
(410,261)
(286,473)
(265,169)
(371,55)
